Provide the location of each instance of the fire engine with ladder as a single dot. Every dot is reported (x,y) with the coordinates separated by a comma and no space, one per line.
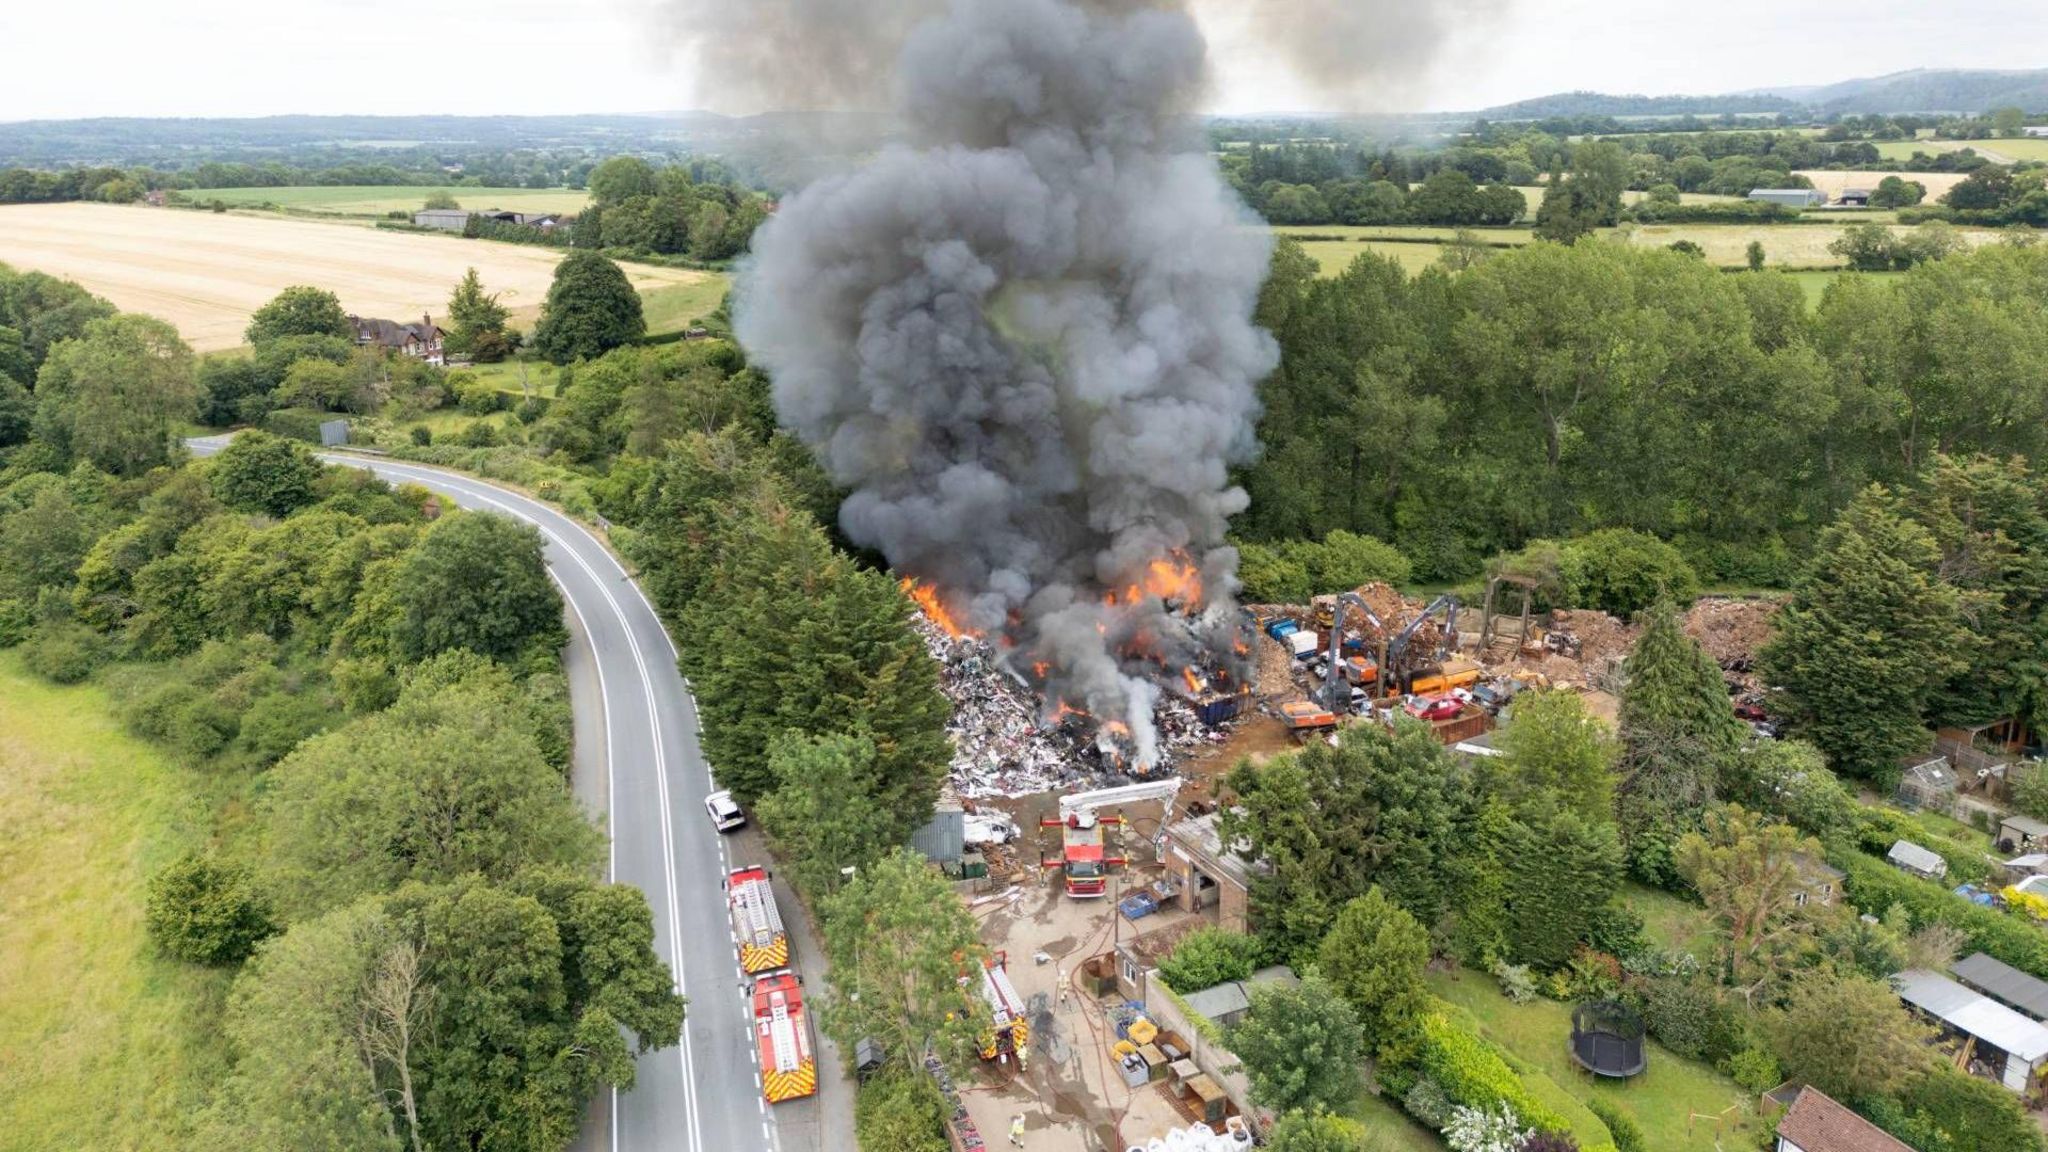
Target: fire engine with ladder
(782,1027)
(1083,846)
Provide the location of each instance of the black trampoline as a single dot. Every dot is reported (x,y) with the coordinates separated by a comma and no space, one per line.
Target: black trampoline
(1607,1039)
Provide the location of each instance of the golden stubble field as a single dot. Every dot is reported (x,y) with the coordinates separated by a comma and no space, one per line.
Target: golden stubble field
(206,272)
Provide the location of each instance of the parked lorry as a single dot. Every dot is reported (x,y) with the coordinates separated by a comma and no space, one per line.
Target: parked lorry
(756,921)
(782,1028)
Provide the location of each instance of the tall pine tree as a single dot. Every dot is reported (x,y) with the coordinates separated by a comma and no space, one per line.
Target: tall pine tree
(1869,635)
(1678,733)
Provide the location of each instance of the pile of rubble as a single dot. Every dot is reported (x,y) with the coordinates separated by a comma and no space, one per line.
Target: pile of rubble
(1732,631)
(1000,747)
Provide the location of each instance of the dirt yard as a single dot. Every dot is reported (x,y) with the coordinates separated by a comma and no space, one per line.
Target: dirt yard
(206,272)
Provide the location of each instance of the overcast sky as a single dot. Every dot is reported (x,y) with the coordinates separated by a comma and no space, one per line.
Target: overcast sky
(75,58)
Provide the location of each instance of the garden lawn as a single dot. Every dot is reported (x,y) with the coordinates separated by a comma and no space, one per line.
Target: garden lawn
(1537,1034)
(1393,1127)
(1669,921)
(103,1044)
(674,307)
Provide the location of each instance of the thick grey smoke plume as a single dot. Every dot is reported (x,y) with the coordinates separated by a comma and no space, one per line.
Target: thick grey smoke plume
(1022,336)
(811,55)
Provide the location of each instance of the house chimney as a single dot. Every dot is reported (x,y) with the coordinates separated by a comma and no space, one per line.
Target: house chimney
(427,321)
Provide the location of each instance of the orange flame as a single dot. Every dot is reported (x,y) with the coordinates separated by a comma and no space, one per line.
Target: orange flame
(927,598)
(1174,578)
(1194,681)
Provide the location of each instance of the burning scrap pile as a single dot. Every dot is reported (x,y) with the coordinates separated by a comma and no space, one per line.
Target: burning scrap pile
(1005,743)
(1022,338)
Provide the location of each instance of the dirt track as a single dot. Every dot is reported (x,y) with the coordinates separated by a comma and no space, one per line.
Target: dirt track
(206,272)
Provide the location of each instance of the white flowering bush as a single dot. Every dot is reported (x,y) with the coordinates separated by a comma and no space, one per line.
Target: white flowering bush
(1478,1130)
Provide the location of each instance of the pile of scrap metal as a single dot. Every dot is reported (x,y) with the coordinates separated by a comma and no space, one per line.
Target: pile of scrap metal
(1009,741)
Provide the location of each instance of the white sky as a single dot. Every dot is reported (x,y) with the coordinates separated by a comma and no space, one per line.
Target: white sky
(259,57)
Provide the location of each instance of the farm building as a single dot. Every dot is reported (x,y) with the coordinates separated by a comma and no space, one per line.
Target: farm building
(1815,1123)
(1854,198)
(1208,873)
(1998,1042)
(445,219)
(1907,856)
(2004,983)
(2017,833)
(1790,197)
(2037,130)
(422,341)
(1929,784)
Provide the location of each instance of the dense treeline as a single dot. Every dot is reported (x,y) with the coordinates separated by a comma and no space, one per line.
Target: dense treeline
(427,954)
(1550,391)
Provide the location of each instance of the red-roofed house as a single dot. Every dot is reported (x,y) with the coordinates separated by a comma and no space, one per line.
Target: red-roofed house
(1815,1123)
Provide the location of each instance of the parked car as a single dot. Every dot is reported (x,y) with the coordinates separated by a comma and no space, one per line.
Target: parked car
(725,811)
(1437,708)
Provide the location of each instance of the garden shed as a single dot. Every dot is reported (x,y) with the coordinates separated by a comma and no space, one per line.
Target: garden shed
(2006,984)
(1907,856)
(2017,833)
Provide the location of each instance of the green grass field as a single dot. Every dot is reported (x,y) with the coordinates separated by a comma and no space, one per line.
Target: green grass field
(1815,283)
(378,199)
(1662,1099)
(674,307)
(1382,1118)
(103,1044)
(1669,921)
(2026,148)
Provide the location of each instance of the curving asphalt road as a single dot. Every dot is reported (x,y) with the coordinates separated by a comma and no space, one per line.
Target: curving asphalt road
(649,774)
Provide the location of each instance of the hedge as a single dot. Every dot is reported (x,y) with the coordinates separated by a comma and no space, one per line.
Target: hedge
(1874,886)
(1471,1072)
(297,423)
(1883,827)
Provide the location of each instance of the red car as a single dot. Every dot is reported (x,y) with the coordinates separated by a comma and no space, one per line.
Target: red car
(1436,708)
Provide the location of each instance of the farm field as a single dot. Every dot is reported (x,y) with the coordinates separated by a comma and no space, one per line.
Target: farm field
(1333,256)
(108,1044)
(206,272)
(1815,282)
(2001,151)
(1789,246)
(1832,183)
(378,199)
(1535,1035)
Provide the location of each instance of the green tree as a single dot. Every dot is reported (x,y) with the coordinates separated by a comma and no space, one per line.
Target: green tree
(299,311)
(1374,956)
(114,395)
(17,412)
(1678,737)
(202,910)
(896,941)
(1557,754)
(825,813)
(1869,635)
(43,542)
(1317,1132)
(2009,122)
(300,1079)
(475,314)
(1866,247)
(1897,192)
(904,1113)
(231,389)
(1846,1035)
(441,200)
(475,581)
(1565,873)
(620,178)
(1209,956)
(1345,560)
(1755,255)
(591,308)
(1752,875)
(1301,1046)
(258,472)
(1590,198)
(1622,572)
(442,784)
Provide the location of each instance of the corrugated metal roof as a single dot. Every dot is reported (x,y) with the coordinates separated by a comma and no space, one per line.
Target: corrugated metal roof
(2025,824)
(1973,1013)
(2005,983)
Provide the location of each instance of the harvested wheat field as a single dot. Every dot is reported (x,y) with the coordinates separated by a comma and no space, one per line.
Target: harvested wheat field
(206,272)
(1832,183)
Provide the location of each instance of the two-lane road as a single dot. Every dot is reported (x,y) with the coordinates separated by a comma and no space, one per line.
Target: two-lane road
(703,1095)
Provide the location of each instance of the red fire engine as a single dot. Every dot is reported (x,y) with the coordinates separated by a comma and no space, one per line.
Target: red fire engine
(1083,849)
(789,1069)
